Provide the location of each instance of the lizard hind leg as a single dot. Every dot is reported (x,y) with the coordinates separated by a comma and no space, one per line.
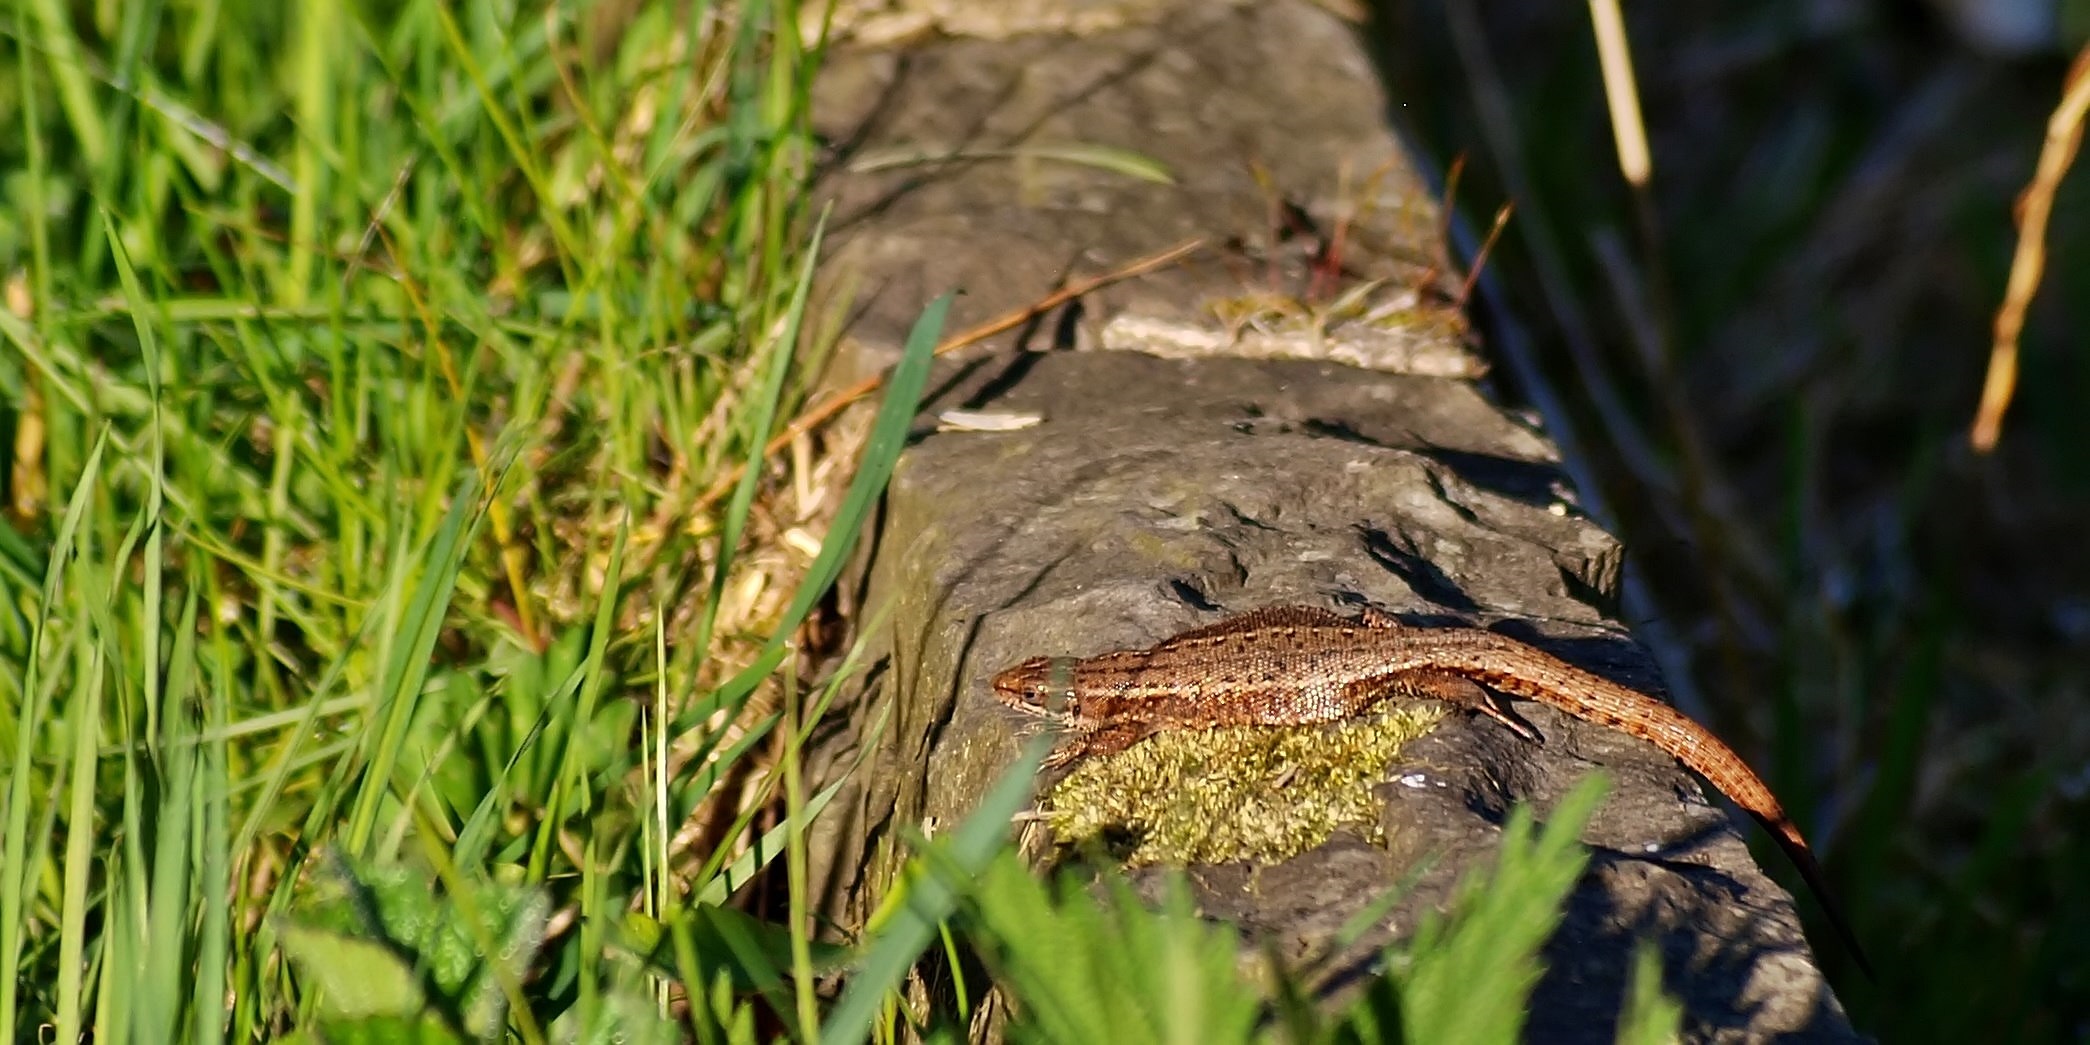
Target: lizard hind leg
(1462,692)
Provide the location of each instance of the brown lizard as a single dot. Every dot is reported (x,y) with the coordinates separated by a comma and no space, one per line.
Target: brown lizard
(1295,665)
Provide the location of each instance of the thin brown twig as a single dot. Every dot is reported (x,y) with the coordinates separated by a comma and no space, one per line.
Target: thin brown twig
(1621,92)
(1480,257)
(814,417)
(2064,133)
(1441,265)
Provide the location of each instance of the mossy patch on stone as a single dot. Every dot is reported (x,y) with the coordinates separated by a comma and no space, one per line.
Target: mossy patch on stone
(1261,794)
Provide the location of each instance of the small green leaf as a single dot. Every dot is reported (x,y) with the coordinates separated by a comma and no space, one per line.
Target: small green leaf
(356,978)
(617,1018)
(380,941)
(1652,1016)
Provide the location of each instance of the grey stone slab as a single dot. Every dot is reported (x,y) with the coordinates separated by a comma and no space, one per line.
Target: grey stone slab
(1248,109)
(1130,494)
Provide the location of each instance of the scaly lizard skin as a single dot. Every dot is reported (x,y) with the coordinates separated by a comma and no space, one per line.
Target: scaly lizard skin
(1296,665)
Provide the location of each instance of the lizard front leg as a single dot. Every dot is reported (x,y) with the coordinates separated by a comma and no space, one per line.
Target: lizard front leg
(1103,740)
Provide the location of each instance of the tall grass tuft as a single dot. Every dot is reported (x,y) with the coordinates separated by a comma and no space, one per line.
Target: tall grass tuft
(360,367)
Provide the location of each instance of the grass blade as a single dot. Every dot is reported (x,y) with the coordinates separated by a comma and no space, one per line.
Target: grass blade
(888,438)
(923,900)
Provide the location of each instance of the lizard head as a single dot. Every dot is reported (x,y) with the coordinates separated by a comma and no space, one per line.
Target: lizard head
(1042,687)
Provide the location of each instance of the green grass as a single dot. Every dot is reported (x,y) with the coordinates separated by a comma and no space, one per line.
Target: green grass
(349,351)
(363,645)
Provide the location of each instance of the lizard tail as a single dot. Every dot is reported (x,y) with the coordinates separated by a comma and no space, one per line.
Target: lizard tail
(1709,757)
(1787,834)
(1593,698)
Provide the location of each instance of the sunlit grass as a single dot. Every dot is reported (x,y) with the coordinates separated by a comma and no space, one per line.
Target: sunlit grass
(355,365)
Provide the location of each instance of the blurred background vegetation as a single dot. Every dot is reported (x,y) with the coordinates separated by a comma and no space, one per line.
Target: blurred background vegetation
(367,370)
(1771,359)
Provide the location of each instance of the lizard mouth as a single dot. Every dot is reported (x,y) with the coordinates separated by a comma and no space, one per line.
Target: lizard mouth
(1028,689)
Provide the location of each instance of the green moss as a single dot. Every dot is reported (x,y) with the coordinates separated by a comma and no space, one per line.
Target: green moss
(1243,793)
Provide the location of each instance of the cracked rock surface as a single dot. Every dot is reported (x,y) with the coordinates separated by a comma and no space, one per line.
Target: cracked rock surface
(1148,489)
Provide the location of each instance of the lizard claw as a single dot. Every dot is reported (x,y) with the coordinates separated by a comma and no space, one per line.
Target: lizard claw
(1500,711)
(1066,753)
